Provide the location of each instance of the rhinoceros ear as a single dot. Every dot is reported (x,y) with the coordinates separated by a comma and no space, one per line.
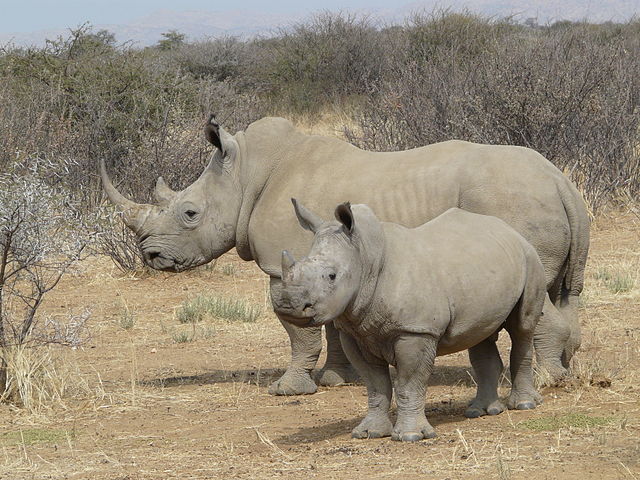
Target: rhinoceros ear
(308,220)
(344,215)
(212,133)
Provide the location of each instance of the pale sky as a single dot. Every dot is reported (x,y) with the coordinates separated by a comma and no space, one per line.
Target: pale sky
(31,15)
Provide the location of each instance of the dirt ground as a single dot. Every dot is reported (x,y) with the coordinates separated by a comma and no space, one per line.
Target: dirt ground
(150,406)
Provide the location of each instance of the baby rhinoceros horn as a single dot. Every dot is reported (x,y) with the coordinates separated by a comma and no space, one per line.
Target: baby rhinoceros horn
(287,265)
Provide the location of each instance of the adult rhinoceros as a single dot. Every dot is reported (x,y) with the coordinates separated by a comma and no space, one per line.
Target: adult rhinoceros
(242,199)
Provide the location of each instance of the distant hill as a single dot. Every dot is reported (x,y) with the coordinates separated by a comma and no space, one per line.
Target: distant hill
(201,24)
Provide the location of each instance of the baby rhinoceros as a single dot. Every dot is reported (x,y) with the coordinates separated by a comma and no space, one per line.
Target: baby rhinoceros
(402,296)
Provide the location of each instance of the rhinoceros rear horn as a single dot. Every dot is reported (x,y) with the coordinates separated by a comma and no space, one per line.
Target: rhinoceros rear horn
(133,213)
(212,133)
(162,193)
(287,264)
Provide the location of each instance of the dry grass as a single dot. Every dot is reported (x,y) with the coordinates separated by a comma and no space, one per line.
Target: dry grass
(40,377)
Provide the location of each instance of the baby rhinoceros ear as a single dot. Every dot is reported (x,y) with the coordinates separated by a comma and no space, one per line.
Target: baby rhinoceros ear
(344,215)
(308,220)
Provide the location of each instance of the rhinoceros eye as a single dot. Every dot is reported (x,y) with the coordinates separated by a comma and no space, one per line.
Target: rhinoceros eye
(190,216)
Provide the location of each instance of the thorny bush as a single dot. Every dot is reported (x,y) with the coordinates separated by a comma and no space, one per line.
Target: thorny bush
(42,234)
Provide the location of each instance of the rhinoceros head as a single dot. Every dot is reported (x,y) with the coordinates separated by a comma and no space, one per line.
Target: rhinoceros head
(188,228)
(320,287)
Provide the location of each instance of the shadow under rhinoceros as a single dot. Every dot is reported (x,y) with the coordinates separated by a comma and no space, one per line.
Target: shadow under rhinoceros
(443,375)
(437,413)
(259,377)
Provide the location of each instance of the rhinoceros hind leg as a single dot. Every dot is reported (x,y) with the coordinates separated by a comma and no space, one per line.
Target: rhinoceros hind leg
(487,368)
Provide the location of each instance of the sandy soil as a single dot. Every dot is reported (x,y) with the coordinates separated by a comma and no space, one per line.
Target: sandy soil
(150,407)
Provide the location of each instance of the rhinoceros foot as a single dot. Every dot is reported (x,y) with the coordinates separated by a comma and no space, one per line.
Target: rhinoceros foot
(412,436)
(524,400)
(332,375)
(294,382)
(551,373)
(412,429)
(479,408)
(373,426)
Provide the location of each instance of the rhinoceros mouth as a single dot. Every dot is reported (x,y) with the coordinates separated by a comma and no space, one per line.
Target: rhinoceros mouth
(300,321)
(158,261)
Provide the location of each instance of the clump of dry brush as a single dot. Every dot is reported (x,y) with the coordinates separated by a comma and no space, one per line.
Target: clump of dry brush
(42,234)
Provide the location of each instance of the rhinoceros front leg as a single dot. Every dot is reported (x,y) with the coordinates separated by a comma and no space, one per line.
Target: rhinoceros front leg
(378,381)
(337,370)
(415,355)
(306,345)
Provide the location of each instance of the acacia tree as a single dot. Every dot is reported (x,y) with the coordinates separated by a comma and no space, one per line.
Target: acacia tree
(41,236)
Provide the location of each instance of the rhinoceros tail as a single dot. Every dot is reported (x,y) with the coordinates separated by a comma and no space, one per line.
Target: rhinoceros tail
(578,217)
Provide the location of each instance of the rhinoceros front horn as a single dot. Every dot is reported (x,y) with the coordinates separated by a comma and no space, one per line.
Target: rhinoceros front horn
(287,264)
(133,213)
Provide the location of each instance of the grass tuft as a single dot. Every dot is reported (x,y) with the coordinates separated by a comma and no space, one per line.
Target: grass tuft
(556,422)
(196,309)
(127,320)
(617,281)
(182,337)
(229,269)
(31,436)
(127,317)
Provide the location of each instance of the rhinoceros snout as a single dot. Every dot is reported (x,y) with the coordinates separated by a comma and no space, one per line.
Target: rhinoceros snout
(155,260)
(289,307)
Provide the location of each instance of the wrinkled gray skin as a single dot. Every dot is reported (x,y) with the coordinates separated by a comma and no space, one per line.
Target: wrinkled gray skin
(402,296)
(242,200)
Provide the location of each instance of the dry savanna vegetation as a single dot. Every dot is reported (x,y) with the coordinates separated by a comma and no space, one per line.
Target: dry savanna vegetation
(111,371)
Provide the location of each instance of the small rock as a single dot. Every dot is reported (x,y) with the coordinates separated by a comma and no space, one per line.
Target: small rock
(153,350)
